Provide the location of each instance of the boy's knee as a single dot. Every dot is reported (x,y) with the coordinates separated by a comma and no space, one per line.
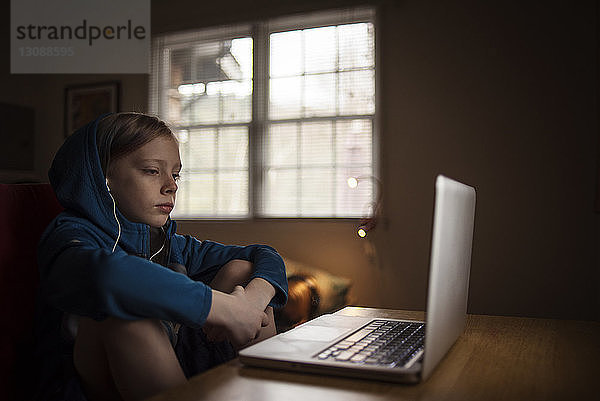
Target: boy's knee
(241,269)
(235,272)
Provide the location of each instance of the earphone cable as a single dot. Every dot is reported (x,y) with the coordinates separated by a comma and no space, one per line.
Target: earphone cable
(117,219)
(162,246)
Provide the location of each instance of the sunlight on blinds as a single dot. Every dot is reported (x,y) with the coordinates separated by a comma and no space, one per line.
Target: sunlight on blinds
(320,122)
(272,118)
(210,105)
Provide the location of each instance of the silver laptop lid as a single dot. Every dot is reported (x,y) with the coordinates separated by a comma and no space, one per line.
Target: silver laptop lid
(450,264)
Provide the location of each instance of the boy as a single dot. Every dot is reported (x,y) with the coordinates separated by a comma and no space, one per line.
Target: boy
(117,281)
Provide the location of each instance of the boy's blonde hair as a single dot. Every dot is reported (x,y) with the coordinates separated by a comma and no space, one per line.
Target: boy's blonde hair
(119,134)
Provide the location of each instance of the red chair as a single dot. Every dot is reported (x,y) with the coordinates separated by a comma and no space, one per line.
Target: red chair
(25,211)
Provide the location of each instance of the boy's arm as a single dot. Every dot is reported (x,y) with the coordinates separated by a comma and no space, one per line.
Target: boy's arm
(268,267)
(260,292)
(79,278)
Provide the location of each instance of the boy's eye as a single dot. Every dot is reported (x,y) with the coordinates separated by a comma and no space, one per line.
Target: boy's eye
(151,171)
(176,176)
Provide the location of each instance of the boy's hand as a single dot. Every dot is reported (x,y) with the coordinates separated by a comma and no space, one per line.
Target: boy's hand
(234,317)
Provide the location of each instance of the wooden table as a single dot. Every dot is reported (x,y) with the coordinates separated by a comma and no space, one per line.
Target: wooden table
(496,358)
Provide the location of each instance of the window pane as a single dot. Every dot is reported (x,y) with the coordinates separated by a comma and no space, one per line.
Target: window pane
(201,109)
(285,98)
(195,195)
(232,198)
(356,46)
(316,187)
(241,49)
(319,99)
(282,145)
(201,148)
(285,55)
(281,192)
(233,148)
(320,49)
(238,108)
(357,92)
(354,202)
(354,140)
(316,141)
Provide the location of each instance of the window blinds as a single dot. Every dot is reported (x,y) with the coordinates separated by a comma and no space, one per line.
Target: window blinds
(272,119)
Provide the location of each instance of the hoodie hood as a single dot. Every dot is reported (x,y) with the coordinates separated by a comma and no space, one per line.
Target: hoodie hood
(80,187)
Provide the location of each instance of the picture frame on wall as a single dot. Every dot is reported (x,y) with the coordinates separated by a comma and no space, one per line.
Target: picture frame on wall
(83,103)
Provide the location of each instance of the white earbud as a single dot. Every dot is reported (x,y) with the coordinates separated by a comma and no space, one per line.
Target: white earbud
(115,214)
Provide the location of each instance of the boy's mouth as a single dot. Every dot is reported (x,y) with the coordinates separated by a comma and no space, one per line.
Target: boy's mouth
(165,207)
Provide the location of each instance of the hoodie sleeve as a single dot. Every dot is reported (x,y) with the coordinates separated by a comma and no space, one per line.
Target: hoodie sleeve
(267,263)
(78,276)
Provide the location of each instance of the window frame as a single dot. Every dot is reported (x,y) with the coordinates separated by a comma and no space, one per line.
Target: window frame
(260,32)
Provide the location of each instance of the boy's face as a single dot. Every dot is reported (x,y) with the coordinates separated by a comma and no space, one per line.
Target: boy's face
(143,182)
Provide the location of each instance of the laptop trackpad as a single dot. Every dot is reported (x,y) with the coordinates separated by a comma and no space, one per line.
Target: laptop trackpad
(314,333)
(325,328)
(305,340)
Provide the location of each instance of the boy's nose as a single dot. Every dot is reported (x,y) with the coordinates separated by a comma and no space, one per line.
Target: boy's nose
(170,186)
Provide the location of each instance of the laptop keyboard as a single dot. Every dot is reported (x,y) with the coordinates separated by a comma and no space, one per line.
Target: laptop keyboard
(381,342)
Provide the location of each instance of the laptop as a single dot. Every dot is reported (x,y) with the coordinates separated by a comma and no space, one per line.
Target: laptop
(390,349)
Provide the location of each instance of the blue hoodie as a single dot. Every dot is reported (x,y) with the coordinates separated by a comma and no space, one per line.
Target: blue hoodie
(81,275)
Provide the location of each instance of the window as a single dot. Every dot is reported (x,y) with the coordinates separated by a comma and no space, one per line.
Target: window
(273,117)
